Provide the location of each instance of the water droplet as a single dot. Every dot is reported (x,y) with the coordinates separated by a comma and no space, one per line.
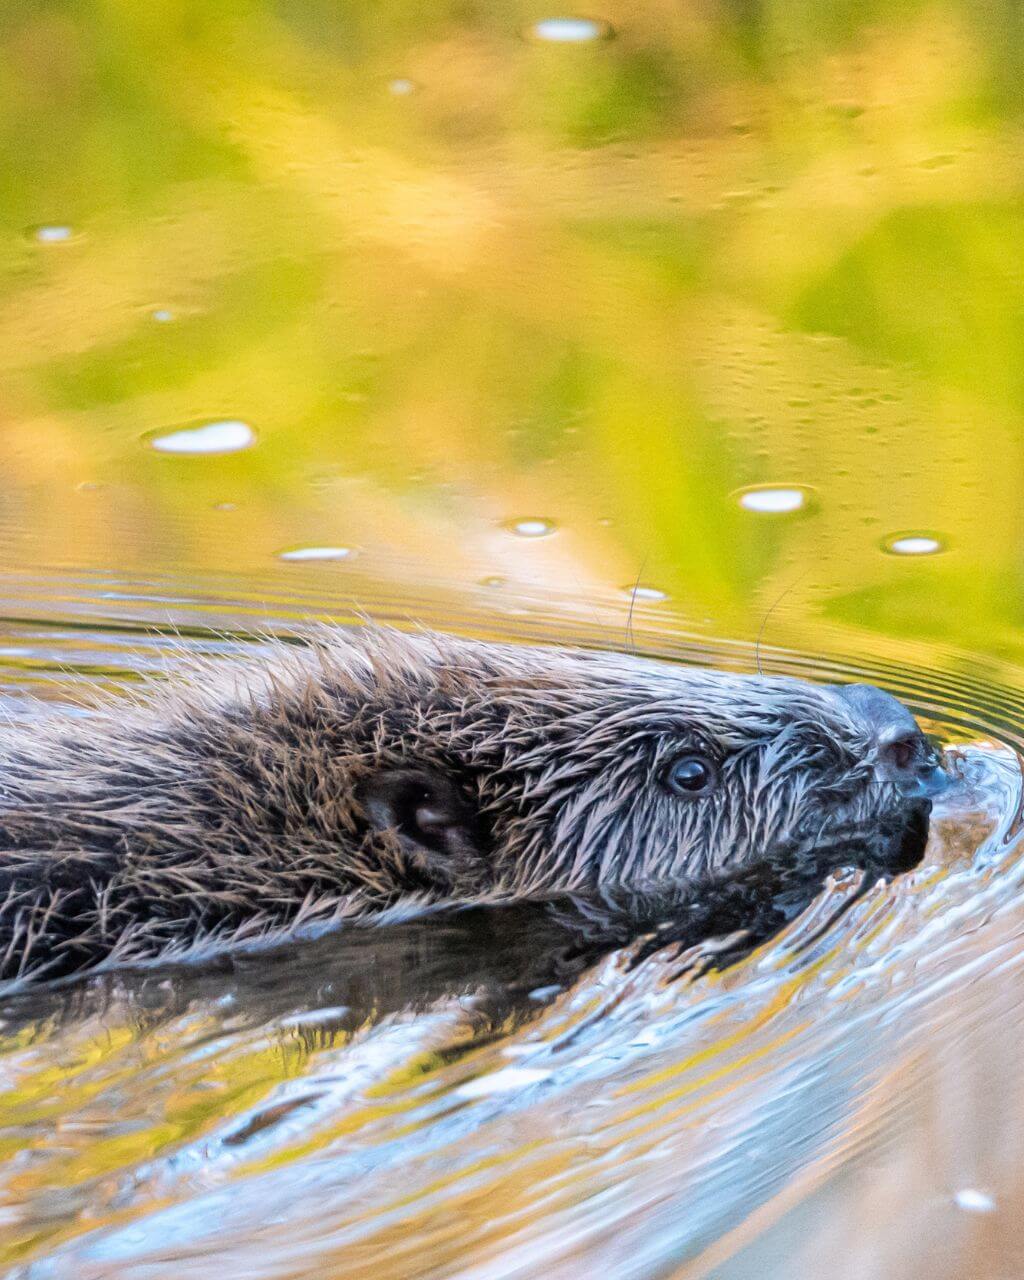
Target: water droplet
(401,87)
(506,1080)
(769,500)
(913,544)
(534,527)
(52,233)
(569,30)
(315,553)
(974,1201)
(227,436)
(494,581)
(162,316)
(645,593)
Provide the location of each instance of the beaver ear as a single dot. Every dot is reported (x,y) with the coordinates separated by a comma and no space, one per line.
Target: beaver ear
(425,808)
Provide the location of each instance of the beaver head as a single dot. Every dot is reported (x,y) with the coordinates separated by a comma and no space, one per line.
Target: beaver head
(491,769)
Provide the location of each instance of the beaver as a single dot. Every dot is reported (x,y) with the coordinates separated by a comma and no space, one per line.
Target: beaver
(371,773)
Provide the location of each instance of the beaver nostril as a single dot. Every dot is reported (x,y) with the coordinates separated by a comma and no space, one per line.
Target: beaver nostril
(914,763)
(904,753)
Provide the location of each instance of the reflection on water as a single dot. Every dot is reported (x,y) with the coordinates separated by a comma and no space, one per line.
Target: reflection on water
(52,234)
(452,1095)
(316,553)
(641,592)
(655,327)
(569,30)
(211,437)
(472,270)
(772,501)
(913,544)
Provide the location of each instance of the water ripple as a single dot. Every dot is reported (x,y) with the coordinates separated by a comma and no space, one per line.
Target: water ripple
(387,1102)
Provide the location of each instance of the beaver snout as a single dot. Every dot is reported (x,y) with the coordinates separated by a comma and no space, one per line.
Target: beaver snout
(903,755)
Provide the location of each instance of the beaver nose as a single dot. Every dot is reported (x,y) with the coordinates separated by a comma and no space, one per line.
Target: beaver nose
(903,754)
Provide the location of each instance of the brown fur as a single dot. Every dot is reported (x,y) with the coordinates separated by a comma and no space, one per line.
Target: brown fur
(231,807)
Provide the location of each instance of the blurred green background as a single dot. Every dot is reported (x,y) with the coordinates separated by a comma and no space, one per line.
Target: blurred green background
(457,274)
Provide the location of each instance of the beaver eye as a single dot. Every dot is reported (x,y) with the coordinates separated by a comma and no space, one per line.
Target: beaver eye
(691,775)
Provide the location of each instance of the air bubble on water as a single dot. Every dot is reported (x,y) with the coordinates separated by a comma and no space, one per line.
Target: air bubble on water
(226,436)
(296,554)
(401,87)
(913,544)
(771,500)
(507,1080)
(644,593)
(225,506)
(52,233)
(162,316)
(973,1200)
(533,527)
(568,30)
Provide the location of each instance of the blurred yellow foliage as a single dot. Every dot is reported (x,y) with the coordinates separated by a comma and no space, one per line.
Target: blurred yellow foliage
(455,278)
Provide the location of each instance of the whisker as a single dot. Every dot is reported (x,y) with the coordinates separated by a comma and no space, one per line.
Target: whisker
(630,642)
(764,621)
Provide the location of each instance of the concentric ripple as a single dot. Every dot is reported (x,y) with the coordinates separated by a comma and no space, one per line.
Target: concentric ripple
(424,1099)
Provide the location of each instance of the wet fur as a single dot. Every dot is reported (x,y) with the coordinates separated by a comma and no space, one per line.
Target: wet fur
(230,807)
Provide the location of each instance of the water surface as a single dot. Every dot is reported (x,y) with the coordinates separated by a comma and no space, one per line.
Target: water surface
(687,329)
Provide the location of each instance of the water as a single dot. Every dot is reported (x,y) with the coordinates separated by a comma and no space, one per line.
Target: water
(423,1099)
(690,331)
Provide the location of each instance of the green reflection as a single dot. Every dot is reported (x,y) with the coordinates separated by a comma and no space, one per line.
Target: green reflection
(612,282)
